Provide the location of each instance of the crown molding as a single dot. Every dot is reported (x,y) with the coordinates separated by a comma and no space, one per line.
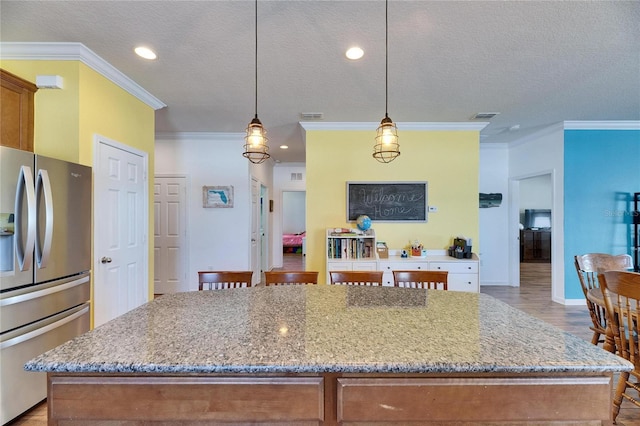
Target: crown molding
(421,126)
(603,125)
(77,52)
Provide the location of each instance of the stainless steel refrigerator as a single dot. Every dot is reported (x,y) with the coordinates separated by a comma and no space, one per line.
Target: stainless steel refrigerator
(45,262)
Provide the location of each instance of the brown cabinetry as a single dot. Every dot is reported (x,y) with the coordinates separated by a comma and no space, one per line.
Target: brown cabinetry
(16,113)
(535,245)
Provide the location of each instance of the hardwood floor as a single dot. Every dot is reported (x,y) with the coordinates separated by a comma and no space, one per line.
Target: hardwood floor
(533,296)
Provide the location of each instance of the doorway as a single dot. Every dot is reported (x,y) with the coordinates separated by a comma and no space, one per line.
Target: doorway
(294,228)
(534,212)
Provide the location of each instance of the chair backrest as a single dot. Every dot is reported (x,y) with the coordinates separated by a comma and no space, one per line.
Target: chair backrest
(588,265)
(370,278)
(218,280)
(290,277)
(621,291)
(421,279)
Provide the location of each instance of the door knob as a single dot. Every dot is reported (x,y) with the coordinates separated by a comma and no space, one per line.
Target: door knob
(105,260)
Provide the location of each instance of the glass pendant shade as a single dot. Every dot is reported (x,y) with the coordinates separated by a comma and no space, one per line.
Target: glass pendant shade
(387,147)
(256,148)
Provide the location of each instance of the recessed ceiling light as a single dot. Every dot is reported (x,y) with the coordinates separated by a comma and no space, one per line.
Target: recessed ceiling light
(145,52)
(354,53)
(284,146)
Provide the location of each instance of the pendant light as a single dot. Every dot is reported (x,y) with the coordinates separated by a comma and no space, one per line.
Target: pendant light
(386,148)
(256,149)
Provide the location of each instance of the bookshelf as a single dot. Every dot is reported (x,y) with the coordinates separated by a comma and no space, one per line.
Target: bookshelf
(348,250)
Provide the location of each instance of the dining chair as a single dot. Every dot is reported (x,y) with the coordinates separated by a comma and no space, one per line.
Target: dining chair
(436,280)
(218,280)
(290,277)
(621,290)
(368,278)
(587,267)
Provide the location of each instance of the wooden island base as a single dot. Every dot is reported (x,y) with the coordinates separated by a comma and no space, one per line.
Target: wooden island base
(328,399)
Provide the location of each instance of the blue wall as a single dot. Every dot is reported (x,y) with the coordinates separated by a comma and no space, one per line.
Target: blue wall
(601,173)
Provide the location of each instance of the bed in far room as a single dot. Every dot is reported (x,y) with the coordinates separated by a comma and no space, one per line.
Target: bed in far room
(292,243)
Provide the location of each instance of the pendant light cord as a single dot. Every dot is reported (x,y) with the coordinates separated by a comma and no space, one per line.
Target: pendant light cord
(386,58)
(256,58)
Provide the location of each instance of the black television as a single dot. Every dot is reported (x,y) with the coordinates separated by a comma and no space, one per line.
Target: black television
(537,219)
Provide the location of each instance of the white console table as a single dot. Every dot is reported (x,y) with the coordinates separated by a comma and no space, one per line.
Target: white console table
(463,273)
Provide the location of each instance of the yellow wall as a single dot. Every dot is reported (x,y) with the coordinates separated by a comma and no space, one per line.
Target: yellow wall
(66,120)
(447,160)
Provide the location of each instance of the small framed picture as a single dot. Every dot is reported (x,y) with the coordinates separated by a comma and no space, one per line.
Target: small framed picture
(217,196)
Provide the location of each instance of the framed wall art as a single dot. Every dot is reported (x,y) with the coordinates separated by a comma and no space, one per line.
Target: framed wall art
(387,201)
(217,196)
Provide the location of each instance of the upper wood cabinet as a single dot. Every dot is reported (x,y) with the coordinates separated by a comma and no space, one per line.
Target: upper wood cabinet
(16,111)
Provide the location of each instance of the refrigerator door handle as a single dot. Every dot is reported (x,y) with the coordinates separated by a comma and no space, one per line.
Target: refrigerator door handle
(45,292)
(25,246)
(43,188)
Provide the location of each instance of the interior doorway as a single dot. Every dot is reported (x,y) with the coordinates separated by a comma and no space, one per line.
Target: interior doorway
(294,228)
(535,228)
(264,229)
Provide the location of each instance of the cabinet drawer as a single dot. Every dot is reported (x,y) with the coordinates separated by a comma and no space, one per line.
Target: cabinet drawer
(338,266)
(430,400)
(463,282)
(201,399)
(455,267)
(403,266)
(364,266)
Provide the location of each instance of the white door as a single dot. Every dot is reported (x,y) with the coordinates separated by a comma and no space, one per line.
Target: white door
(255,234)
(170,260)
(120,245)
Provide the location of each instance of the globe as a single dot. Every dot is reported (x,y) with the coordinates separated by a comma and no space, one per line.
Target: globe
(363,222)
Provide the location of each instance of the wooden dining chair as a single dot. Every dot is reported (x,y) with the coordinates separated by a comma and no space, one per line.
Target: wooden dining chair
(218,280)
(369,278)
(436,280)
(587,267)
(621,290)
(290,277)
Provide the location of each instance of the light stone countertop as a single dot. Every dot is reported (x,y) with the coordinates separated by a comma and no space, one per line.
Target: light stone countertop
(324,328)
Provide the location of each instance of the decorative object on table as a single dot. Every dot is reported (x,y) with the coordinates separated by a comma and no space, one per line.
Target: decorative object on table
(490,200)
(217,196)
(404,254)
(256,148)
(461,248)
(363,222)
(387,147)
(382,250)
(387,201)
(416,249)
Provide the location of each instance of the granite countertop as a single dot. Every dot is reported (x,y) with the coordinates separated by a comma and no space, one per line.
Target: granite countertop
(323,328)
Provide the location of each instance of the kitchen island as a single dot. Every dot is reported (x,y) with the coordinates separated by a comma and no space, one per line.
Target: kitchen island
(323,354)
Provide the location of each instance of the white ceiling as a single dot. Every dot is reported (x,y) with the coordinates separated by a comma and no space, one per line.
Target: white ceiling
(534,62)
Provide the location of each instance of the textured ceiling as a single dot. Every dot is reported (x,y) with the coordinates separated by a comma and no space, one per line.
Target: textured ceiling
(535,62)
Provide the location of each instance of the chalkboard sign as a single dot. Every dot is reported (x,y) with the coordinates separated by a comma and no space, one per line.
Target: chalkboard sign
(387,201)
